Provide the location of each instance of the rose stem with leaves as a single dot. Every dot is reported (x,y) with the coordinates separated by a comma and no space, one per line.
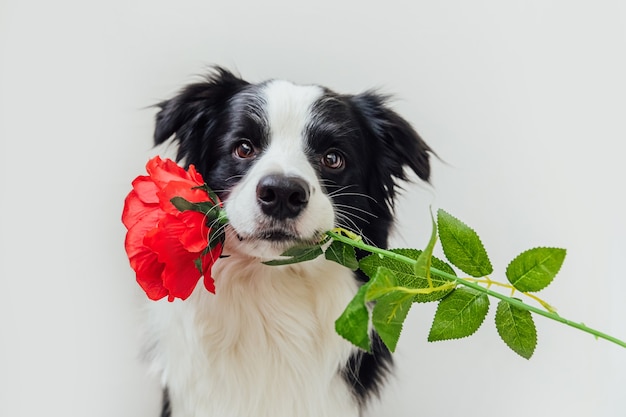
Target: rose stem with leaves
(475,286)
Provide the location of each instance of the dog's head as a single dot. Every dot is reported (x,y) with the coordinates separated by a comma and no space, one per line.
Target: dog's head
(291,161)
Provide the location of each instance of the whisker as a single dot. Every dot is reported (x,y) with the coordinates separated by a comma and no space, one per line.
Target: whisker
(340,192)
(344,220)
(340,223)
(356,208)
(330,183)
(234,177)
(337,193)
(339,188)
(348,214)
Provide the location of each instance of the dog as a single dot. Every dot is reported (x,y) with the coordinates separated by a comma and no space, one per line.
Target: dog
(289,162)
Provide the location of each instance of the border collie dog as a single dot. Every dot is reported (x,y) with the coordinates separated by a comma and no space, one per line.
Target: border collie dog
(290,162)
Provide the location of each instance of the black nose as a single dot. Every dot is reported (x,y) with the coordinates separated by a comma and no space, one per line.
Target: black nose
(282,197)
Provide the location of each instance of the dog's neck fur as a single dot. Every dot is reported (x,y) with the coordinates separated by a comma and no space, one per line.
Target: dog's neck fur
(264,345)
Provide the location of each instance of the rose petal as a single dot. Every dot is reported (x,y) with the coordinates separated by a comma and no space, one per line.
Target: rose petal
(134,242)
(180,274)
(142,259)
(149,276)
(184,189)
(207,264)
(146,189)
(164,171)
(135,209)
(196,236)
(209,283)
(195,175)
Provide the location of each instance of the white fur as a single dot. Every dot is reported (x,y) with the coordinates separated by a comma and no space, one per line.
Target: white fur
(265,344)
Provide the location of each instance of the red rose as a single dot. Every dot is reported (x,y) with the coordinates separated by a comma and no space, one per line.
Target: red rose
(167,247)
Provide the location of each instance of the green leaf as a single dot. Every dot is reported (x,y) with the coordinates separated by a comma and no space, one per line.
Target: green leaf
(212,195)
(209,209)
(388,316)
(343,254)
(422,266)
(459,314)
(516,328)
(534,269)
(198,263)
(462,246)
(383,283)
(405,273)
(181,204)
(353,324)
(297,254)
(216,236)
(389,312)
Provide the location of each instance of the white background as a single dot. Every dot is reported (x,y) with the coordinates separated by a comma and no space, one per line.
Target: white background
(524,102)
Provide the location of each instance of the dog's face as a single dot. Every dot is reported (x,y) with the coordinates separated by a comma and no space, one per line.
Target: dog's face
(290,161)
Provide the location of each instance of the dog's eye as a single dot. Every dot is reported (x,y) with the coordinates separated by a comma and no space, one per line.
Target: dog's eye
(333,160)
(244,150)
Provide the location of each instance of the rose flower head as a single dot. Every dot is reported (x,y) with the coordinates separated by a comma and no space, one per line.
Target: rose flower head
(174,230)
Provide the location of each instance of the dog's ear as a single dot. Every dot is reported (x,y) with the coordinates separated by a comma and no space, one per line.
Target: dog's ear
(195,111)
(397,144)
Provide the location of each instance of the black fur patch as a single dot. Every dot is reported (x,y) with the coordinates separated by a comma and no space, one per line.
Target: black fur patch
(166,409)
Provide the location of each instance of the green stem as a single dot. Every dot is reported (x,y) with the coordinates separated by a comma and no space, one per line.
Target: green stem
(510,300)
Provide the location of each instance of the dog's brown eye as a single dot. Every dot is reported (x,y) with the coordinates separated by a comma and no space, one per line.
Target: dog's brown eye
(244,150)
(333,160)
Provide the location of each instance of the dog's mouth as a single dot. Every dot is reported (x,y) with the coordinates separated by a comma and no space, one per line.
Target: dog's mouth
(274,235)
(278,236)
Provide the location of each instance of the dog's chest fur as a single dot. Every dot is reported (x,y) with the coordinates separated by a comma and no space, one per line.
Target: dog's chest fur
(264,346)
